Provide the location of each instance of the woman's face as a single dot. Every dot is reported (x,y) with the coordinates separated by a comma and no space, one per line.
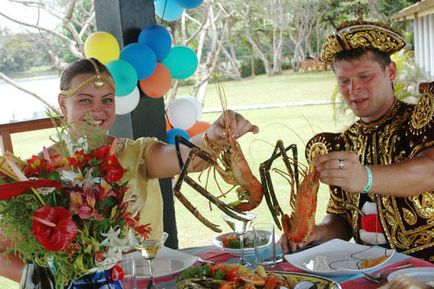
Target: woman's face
(98,103)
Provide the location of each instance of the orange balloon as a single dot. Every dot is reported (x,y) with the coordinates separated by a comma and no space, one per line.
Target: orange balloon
(158,83)
(168,125)
(198,127)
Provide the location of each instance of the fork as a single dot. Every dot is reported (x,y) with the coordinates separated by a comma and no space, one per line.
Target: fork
(379,277)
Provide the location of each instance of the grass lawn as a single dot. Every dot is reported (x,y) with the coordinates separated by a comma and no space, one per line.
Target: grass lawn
(290,124)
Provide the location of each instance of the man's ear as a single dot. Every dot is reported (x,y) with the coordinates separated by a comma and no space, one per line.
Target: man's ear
(391,70)
(61,101)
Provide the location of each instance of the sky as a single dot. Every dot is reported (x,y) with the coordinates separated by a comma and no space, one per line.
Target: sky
(25,14)
(15,104)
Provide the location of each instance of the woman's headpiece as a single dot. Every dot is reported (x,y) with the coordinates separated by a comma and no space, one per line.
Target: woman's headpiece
(98,80)
(360,33)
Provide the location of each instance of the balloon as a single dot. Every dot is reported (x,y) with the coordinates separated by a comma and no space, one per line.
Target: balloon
(198,127)
(158,39)
(124,76)
(127,103)
(168,125)
(168,10)
(181,62)
(198,105)
(102,46)
(141,57)
(189,4)
(158,83)
(182,113)
(170,135)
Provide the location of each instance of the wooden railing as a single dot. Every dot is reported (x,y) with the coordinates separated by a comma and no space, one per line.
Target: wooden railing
(6,130)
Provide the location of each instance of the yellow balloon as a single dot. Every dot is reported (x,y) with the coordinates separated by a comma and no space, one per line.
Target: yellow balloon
(102,46)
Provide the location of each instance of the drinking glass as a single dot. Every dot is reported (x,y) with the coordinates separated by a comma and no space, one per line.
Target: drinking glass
(240,228)
(149,249)
(263,234)
(128,264)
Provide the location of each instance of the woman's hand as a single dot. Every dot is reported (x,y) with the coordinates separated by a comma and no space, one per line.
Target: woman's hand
(237,125)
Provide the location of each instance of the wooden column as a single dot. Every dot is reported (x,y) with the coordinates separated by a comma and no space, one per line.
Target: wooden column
(125,19)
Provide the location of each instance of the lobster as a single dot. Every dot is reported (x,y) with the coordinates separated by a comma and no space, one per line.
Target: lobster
(303,195)
(229,162)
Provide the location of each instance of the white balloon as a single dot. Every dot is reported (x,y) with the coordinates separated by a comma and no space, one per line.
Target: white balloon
(126,104)
(182,113)
(198,105)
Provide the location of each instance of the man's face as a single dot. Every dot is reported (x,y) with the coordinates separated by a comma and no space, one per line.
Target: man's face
(366,86)
(99,104)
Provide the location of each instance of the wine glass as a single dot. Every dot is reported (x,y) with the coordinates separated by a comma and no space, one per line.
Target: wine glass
(149,249)
(240,228)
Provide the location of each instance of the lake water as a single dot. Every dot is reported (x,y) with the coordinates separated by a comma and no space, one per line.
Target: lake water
(17,105)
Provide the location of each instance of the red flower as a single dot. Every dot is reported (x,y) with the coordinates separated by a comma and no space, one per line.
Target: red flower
(53,227)
(101,153)
(112,168)
(8,191)
(36,166)
(143,230)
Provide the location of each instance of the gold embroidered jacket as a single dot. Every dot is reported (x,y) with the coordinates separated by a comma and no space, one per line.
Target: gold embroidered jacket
(401,134)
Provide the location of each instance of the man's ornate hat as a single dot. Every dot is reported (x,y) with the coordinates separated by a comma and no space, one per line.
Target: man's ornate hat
(360,33)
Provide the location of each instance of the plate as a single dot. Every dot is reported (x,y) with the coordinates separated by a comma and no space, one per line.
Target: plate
(422,274)
(167,262)
(320,282)
(338,257)
(249,249)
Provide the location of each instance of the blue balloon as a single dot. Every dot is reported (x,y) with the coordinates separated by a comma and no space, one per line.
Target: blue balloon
(171,133)
(182,62)
(141,57)
(168,10)
(158,39)
(124,75)
(189,4)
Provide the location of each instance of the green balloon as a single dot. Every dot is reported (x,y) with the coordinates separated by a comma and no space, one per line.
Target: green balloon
(124,75)
(181,61)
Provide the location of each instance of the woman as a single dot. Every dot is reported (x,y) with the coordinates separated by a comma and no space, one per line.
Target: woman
(88,92)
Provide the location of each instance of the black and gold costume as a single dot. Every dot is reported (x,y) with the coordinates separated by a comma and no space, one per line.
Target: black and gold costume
(401,134)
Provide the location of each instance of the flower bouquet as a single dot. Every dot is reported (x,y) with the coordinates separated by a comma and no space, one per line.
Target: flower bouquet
(68,213)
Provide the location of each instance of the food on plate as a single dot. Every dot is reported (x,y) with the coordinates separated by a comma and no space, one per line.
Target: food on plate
(229,276)
(232,276)
(232,240)
(367,263)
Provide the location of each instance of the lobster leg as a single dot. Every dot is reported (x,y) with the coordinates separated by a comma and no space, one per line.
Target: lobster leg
(196,151)
(270,195)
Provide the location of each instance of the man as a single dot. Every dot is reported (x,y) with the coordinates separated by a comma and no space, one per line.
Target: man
(383,164)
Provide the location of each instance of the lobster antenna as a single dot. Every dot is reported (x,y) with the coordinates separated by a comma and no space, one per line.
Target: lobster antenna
(222,95)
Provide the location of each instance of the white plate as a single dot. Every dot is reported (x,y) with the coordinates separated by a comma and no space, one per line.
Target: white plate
(422,274)
(337,257)
(167,262)
(217,241)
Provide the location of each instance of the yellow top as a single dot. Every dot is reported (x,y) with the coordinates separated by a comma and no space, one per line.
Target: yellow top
(134,155)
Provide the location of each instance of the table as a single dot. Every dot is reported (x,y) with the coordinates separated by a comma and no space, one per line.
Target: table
(347,282)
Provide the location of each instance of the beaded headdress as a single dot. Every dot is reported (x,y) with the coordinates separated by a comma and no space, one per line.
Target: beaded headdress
(98,80)
(360,33)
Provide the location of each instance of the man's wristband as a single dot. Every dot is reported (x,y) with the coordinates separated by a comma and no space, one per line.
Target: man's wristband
(369,183)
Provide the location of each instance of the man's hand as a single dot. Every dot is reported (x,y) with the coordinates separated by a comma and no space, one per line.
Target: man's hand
(341,169)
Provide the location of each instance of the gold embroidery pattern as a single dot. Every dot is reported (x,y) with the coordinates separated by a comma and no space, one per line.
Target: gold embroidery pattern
(317,149)
(408,223)
(423,113)
(358,33)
